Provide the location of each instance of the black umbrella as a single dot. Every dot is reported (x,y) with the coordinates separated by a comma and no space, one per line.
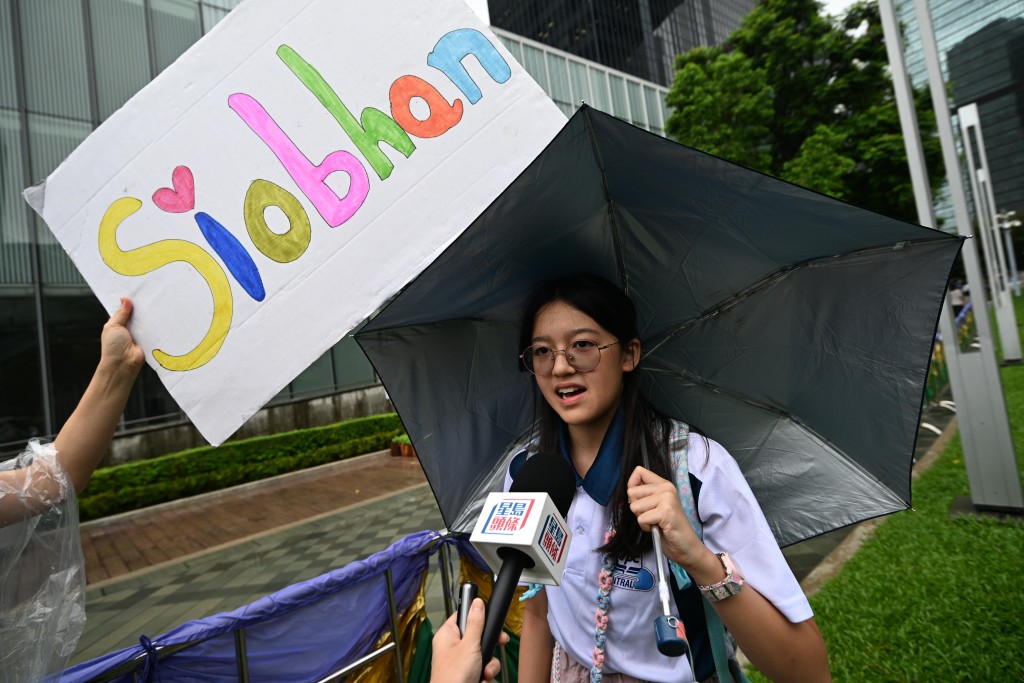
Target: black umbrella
(793,328)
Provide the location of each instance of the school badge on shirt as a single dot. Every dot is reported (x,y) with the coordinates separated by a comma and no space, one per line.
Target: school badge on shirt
(631,574)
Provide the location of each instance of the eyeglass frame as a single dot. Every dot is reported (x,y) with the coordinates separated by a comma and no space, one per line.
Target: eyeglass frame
(555,352)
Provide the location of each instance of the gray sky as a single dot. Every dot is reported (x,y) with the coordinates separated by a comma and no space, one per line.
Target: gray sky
(836,7)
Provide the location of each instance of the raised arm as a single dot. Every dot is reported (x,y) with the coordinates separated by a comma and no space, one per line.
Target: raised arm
(782,650)
(86,436)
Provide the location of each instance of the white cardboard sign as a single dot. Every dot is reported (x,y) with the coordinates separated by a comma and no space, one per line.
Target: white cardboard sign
(284,178)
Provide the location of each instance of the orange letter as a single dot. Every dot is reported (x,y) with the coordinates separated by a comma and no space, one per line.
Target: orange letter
(442,118)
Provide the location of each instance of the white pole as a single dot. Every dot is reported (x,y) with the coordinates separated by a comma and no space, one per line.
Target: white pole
(988,226)
(1007,222)
(977,390)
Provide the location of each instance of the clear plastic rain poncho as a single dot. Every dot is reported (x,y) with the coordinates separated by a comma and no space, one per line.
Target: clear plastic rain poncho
(42,571)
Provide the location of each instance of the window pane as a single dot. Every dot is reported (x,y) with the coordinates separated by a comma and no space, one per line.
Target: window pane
(51,140)
(618,91)
(215,10)
(122,57)
(8,91)
(559,75)
(21,403)
(652,99)
(73,326)
(514,47)
(175,28)
(351,368)
(314,380)
(53,40)
(636,104)
(149,399)
(580,86)
(566,108)
(533,62)
(15,266)
(599,90)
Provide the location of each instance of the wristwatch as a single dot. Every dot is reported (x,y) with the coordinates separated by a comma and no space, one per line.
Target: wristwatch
(729,586)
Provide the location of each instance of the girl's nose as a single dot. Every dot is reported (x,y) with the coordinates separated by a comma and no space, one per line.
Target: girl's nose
(562,365)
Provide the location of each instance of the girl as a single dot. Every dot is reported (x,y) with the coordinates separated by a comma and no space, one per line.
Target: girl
(580,341)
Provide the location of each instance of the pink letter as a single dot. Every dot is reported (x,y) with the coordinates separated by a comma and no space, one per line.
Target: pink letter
(309,177)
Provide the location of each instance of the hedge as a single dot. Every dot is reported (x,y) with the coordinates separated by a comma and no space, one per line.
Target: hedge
(200,470)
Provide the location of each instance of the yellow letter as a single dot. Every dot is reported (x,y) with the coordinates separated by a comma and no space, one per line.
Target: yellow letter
(152,256)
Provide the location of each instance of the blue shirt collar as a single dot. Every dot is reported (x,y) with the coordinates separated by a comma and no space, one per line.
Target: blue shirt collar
(603,475)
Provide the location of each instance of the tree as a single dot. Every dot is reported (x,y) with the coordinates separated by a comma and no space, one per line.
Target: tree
(795,95)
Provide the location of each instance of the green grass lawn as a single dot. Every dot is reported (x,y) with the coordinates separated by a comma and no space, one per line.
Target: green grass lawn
(930,597)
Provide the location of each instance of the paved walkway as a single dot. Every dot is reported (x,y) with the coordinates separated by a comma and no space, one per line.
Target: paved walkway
(123,544)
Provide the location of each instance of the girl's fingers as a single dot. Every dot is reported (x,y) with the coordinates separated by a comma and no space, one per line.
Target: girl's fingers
(640,503)
(122,314)
(642,475)
(648,490)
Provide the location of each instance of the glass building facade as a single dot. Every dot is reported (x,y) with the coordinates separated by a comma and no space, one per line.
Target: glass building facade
(569,80)
(637,37)
(981,51)
(65,66)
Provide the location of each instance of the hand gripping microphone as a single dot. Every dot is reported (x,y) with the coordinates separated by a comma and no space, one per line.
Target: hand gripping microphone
(524,531)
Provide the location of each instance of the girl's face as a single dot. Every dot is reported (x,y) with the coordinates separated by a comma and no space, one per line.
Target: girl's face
(582,399)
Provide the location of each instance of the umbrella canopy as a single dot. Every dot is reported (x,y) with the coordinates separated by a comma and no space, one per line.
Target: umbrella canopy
(793,328)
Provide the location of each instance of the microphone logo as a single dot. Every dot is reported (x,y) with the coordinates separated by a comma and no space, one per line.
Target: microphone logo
(553,540)
(508,516)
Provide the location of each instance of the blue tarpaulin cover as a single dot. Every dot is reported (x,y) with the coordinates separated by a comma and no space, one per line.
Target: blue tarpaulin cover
(301,633)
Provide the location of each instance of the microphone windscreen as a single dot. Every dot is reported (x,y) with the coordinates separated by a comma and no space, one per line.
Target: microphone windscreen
(550,474)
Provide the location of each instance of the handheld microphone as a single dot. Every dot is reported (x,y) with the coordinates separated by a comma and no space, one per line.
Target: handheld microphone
(524,531)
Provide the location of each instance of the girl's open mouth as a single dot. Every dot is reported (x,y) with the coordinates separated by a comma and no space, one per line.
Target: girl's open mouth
(569,393)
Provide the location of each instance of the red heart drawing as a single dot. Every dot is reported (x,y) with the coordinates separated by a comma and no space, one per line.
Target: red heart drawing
(180,199)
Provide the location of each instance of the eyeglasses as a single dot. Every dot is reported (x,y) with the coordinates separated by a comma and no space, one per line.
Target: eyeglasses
(583,355)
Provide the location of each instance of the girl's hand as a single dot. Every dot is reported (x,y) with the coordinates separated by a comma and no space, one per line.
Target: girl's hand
(655,502)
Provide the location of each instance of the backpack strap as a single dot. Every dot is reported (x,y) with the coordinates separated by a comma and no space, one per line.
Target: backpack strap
(678,442)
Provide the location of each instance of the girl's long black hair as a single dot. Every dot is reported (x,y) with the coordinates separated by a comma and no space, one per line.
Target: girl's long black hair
(614,311)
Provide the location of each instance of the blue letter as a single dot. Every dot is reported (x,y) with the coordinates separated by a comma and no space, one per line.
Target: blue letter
(454,47)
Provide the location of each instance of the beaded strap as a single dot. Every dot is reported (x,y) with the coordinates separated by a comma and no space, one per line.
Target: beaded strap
(604,589)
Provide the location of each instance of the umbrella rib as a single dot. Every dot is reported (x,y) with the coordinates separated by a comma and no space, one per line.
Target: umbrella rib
(714,388)
(699,381)
(620,262)
(766,282)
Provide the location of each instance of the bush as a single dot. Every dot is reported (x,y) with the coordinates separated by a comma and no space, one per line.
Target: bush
(200,470)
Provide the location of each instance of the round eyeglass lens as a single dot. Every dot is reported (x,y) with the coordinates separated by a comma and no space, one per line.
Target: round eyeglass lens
(584,356)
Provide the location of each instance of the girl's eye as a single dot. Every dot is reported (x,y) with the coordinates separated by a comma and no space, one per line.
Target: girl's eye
(541,351)
(583,344)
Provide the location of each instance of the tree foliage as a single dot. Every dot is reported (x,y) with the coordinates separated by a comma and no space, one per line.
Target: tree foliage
(798,96)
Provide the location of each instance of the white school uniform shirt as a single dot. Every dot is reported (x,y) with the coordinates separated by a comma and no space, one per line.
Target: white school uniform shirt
(733,523)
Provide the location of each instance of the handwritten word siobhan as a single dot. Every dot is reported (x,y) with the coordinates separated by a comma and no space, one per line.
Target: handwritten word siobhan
(372,128)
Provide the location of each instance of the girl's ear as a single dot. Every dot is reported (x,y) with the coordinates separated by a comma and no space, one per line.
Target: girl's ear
(631,357)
